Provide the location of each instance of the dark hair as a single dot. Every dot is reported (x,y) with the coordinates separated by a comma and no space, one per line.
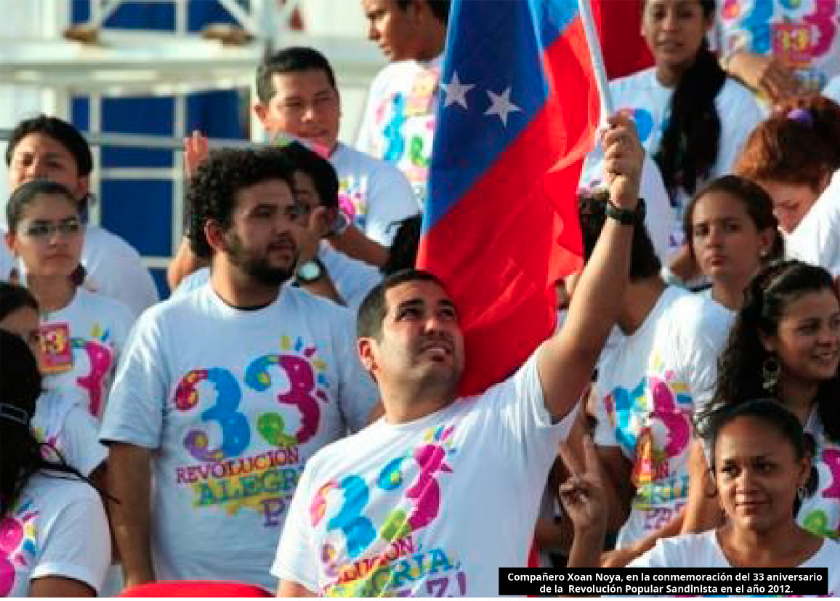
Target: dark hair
(798,144)
(373,308)
(319,169)
(60,131)
(439,8)
(767,300)
(757,204)
(293,59)
(591,213)
(213,189)
(710,422)
(26,193)
(20,387)
(403,252)
(14,297)
(691,139)
(716,417)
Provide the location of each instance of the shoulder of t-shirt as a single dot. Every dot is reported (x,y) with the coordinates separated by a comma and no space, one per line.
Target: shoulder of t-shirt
(60,489)
(349,445)
(360,160)
(737,95)
(318,305)
(101,238)
(99,304)
(638,80)
(390,72)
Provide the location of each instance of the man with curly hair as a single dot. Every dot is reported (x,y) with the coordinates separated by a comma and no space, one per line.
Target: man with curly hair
(225,392)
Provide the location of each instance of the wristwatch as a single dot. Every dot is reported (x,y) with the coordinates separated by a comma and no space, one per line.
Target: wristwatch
(626,216)
(310,271)
(340,224)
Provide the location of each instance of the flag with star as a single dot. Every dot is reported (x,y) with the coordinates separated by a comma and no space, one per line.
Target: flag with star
(517,114)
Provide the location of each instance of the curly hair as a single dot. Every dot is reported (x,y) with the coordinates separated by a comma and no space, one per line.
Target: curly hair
(798,144)
(212,192)
(767,300)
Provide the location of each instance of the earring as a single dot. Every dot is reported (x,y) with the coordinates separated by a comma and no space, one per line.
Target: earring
(801,492)
(770,371)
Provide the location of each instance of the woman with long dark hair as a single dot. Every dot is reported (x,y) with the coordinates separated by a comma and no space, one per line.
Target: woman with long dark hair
(53,527)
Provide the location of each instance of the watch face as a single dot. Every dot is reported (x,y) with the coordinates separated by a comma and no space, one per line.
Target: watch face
(309,271)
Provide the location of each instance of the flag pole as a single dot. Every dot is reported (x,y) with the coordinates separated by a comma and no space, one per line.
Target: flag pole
(597,58)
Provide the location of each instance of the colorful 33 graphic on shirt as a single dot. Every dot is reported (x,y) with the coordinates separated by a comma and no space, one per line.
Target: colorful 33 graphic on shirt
(405,124)
(801,33)
(248,454)
(652,424)
(18,543)
(374,528)
(820,512)
(353,199)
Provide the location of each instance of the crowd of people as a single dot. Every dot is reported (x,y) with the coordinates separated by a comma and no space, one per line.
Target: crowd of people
(289,417)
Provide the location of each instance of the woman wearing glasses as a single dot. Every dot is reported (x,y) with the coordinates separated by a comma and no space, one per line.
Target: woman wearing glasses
(82,332)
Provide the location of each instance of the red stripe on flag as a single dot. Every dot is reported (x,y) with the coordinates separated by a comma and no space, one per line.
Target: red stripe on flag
(501,248)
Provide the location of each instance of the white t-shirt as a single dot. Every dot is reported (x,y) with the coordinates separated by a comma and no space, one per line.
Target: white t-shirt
(820,512)
(661,221)
(703,550)
(832,89)
(399,120)
(372,192)
(98,327)
(649,387)
(432,507)
(803,35)
(352,279)
(115,269)
(816,239)
(56,528)
(62,420)
(233,403)
(650,102)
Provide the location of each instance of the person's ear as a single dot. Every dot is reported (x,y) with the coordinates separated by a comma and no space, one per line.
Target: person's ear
(367,353)
(766,240)
(11,242)
(322,219)
(82,188)
(261,111)
(767,343)
(215,235)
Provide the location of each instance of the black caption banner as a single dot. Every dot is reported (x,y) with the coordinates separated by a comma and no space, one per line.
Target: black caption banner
(651,582)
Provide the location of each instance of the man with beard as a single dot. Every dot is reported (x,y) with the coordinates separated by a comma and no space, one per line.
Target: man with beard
(225,392)
(442,491)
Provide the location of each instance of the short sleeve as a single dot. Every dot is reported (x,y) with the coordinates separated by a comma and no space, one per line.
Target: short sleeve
(390,199)
(134,413)
(296,560)
(516,415)
(654,558)
(78,442)
(604,434)
(357,392)
(77,544)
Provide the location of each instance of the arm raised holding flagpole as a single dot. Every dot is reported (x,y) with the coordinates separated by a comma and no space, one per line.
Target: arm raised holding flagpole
(566,361)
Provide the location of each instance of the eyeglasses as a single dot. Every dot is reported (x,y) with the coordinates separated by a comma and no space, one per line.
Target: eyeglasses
(41,230)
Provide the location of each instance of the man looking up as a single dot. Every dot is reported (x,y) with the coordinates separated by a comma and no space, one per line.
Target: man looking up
(439,493)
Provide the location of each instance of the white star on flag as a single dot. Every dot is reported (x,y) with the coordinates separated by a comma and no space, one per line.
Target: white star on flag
(501,105)
(456,92)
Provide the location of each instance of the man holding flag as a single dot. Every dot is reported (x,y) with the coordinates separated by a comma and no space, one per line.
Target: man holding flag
(434,497)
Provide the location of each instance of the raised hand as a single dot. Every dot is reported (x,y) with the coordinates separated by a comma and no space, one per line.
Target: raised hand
(196,149)
(623,159)
(583,493)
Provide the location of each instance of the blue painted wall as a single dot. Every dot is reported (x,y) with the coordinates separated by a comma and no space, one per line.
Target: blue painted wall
(141,211)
